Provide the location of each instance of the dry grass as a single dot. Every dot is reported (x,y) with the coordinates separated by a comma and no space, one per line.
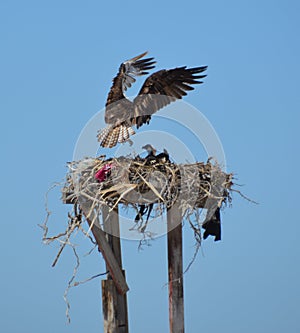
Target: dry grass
(133,182)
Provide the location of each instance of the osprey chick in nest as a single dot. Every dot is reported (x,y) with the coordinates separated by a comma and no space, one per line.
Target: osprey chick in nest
(159,90)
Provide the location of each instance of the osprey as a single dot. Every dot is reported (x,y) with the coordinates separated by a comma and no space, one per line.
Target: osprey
(152,158)
(159,90)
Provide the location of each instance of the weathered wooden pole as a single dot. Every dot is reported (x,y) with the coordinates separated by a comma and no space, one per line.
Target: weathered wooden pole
(175,272)
(114,303)
(112,264)
(114,300)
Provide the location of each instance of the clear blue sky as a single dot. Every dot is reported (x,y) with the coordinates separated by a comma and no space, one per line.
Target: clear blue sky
(57,62)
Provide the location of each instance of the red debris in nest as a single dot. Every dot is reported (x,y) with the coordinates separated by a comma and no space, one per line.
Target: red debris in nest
(101,174)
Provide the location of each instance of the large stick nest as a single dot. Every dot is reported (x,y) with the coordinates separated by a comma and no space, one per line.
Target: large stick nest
(134,182)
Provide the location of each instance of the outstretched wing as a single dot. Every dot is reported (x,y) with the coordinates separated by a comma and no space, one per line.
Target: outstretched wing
(125,77)
(119,110)
(162,88)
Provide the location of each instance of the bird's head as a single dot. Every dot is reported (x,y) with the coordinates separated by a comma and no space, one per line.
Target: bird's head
(149,149)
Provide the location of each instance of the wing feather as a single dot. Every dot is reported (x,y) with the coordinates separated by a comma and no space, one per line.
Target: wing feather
(162,88)
(126,76)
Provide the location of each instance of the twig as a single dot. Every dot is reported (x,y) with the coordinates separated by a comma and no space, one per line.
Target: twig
(243,196)
(70,285)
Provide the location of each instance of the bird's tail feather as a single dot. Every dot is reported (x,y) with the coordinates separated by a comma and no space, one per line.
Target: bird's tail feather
(109,136)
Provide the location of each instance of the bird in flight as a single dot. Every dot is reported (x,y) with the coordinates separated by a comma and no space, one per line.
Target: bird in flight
(159,89)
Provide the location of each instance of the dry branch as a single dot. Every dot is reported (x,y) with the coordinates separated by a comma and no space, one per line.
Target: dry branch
(132,183)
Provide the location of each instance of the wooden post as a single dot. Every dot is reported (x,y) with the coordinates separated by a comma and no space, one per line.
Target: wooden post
(175,272)
(114,299)
(112,264)
(114,304)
